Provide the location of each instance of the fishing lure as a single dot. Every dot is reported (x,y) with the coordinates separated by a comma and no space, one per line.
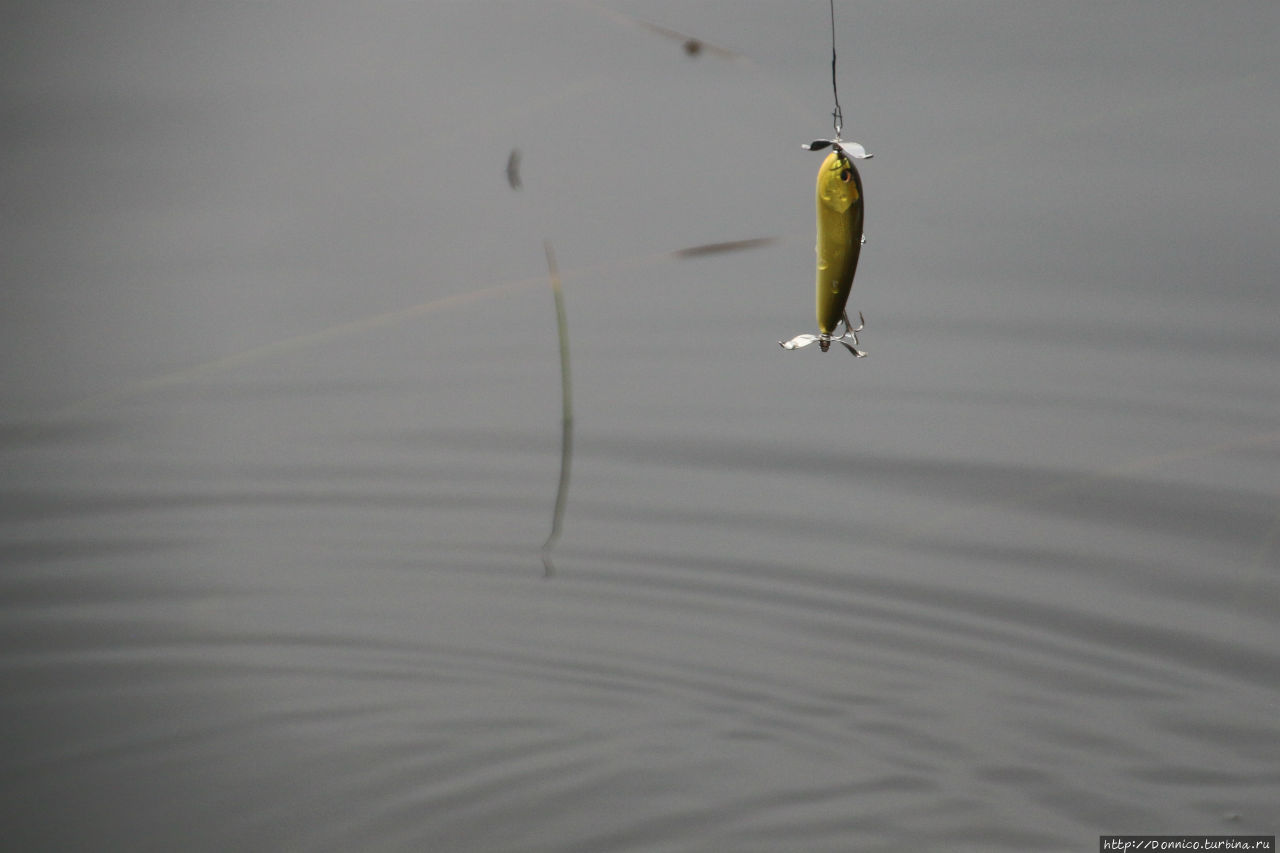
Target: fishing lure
(840,239)
(840,235)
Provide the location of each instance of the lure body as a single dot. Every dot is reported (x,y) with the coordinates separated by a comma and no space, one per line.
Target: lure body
(839,244)
(839,237)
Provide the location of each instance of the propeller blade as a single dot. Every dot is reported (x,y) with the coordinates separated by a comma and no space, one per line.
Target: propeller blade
(855,150)
(798,341)
(852,150)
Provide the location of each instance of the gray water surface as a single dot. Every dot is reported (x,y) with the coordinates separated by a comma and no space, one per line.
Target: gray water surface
(280,428)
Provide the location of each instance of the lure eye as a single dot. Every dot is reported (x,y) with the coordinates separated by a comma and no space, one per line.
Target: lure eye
(844,175)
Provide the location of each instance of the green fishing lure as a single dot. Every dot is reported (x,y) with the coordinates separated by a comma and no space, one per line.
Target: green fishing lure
(840,235)
(840,239)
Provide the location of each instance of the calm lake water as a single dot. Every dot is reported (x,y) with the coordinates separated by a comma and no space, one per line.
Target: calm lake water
(280,428)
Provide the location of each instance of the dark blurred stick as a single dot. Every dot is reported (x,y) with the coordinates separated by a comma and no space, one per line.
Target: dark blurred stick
(693,46)
(566,433)
(718,248)
(513,169)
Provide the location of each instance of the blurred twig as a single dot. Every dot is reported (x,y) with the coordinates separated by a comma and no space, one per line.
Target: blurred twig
(566,433)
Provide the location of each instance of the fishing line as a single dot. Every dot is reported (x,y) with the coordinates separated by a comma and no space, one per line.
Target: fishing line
(837,117)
